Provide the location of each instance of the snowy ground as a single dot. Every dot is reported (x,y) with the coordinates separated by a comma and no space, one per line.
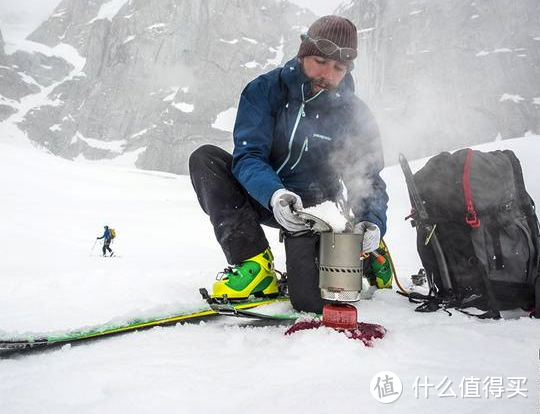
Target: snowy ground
(51,212)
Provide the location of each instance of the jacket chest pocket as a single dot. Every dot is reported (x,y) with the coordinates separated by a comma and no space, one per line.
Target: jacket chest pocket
(315,147)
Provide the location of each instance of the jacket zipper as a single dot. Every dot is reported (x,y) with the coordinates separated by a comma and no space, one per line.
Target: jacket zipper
(300,114)
(304,148)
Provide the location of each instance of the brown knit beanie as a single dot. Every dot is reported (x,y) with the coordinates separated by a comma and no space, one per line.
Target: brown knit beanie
(337,29)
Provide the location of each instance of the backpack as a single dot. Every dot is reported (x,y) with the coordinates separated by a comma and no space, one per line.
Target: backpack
(112,232)
(487,229)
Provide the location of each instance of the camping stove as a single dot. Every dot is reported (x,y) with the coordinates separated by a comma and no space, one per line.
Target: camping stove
(340,272)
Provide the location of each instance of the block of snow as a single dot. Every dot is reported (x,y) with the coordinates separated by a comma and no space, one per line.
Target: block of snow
(329,212)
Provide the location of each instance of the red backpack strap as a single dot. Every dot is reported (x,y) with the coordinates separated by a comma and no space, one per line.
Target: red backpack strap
(471,217)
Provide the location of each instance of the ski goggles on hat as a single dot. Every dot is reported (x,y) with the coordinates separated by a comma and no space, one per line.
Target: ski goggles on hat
(328,47)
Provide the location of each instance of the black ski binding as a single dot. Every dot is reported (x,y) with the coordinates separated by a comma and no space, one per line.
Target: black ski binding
(222,305)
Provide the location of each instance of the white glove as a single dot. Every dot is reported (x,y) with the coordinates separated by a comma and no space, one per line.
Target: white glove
(372,235)
(283,203)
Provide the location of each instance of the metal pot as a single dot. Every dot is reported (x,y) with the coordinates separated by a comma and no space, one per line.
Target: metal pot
(340,266)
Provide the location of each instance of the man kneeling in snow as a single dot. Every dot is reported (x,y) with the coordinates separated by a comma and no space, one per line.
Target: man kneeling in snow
(301,135)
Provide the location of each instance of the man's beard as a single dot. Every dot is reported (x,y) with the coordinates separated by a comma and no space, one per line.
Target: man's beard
(322,84)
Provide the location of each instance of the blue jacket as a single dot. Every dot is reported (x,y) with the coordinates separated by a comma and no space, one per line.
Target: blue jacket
(106,236)
(283,138)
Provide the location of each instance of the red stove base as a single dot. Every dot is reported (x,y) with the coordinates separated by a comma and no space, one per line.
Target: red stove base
(340,316)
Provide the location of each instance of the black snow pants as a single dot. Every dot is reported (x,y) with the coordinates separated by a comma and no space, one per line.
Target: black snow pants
(237,218)
(106,246)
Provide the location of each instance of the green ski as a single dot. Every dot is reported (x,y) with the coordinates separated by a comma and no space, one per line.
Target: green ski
(21,343)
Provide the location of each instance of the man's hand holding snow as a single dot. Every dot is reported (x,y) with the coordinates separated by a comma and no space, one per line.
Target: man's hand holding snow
(283,203)
(372,235)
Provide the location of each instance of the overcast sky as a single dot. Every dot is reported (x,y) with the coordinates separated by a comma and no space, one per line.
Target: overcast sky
(18,18)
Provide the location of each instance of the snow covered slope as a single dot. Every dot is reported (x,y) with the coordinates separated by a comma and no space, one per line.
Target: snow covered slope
(53,209)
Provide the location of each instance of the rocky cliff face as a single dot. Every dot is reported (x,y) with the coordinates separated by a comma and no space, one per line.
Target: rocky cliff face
(159,75)
(23,74)
(445,74)
(2,52)
(147,81)
(10,84)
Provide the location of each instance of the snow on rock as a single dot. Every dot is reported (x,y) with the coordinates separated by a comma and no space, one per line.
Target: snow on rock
(171,96)
(127,159)
(366,30)
(278,59)
(252,64)
(116,146)
(129,39)
(109,10)
(141,132)
(59,13)
(510,97)
(158,27)
(62,50)
(225,120)
(43,96)
(5,100)
(28,79)
(183,106)
(501,50)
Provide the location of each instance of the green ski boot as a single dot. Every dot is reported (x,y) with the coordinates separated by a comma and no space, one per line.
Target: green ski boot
(255,275)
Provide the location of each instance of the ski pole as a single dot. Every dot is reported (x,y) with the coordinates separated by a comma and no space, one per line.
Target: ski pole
(91,251)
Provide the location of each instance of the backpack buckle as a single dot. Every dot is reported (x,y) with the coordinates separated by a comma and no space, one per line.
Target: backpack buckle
(505,208)
(472,218)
